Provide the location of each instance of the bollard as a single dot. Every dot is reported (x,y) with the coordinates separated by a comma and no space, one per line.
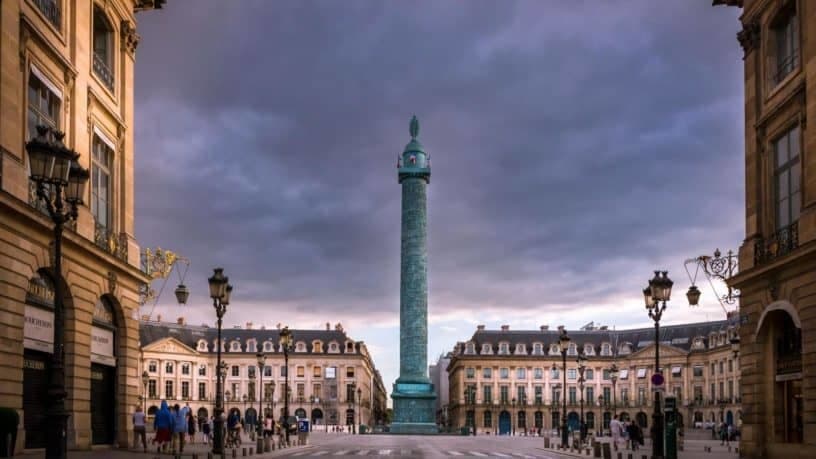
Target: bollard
(234,453)
(607,451)
(630,455)
(587,451)
(195,456)
(597,447)
(546,442)
(620,455)
(209,455)
(729,448)
(251,451)
(243,451)
(736,449)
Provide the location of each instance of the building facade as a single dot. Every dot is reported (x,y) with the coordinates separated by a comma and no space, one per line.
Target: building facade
(326,370)
(70,65)
(512,382)
(438,373)
(777,259)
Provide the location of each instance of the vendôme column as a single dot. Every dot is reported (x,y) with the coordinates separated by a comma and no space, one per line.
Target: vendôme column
(413,393)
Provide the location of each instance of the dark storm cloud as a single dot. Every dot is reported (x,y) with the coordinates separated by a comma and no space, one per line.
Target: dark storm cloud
(575,146)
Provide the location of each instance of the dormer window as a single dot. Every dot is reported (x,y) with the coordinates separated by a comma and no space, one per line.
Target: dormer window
(572,349)
(625,349)
(252,346)
(698,343)
(103,62)
(349,347)
(235,346)
(300,346)
(785,49)
(470,348)
(521,349)
(589,349)
(538,349)
(202,345)
(554,350)
(317,347)
(606,349)
(333,348)
(487,349)
(268,347)
(504,348)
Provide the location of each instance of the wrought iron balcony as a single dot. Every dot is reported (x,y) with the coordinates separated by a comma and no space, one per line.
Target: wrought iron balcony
(51,10)
(779,244)
(115,244)
(101,69)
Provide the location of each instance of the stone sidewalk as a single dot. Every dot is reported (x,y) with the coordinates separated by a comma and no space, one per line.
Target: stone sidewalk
(692,449)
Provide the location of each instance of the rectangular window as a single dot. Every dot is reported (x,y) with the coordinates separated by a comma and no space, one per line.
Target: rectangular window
(538,373)
(787,176)
(641,373)
(267,371)
(641,396)
(301,371)
(556,395)
(251,371)
(349,372)
(470,372)
(625,395)
(185,389)
(202,370)
(283,372)
(731,390)
(331,372)
(572,374)
(554,373)
(487,394)
(713,368)
(698,394)
(504,393)
(236,370)
(786,35)
(607,395)
(722,367)
(151,388)
(301,392)
(606,375)
(722,391)
(538,392)
(43,105)
(349,392)
(572,395)
(168,368)
(589,374)
(101,183)
(521,373)
(504,373)
(168,389)
(317,392)
(697,371)
(713,392)
(521,394)
(151,367)
(590,395)
(316,372)
(730,366)
(487,373)
(202,391)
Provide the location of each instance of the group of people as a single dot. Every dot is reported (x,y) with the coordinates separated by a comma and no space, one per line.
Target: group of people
(174,426)
(628,431)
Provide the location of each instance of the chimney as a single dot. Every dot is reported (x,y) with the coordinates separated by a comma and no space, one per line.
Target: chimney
(328,326)
(249,325)
(263,327)
(545,327)
(604,327)
(180,320)
(158,317)
(338,327)
(279,325)
(505,328)
(480,328)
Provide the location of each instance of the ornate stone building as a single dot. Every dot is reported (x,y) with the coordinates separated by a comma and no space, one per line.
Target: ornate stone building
(70,65)
(326,370)
(506,381)
(777,277)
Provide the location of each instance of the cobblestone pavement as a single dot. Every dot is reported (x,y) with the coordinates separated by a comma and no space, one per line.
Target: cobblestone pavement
(408,446)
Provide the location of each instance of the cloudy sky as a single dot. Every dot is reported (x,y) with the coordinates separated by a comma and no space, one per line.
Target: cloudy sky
(576,147)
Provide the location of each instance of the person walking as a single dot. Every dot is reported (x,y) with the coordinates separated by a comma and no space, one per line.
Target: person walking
(179,428)
(206,429)
(163,425)
(191,427)
(139,431)
(723,434)
(616,429)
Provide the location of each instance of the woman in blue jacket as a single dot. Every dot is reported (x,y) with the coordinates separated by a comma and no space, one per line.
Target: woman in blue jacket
(163,425)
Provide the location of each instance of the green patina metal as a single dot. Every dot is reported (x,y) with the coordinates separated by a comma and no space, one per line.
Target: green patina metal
(413,393)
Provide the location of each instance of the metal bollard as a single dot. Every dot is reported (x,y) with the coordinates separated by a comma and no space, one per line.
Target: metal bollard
(546,442)
(209,455)
(597,447)
(251,451)
(234,452)
(620,455)
(630,455)
(243,452)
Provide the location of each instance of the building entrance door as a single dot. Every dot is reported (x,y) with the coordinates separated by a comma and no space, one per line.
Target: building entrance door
(504,423)
(35,397)
(103,402)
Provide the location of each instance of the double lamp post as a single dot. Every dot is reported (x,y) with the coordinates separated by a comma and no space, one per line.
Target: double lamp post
(655,296)
(220,291)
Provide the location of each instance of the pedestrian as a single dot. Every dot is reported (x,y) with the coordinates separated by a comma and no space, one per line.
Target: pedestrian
(191,427)
(205,430)
(723,434)
(139,429)
(163,425)
(180,428)
(269,425)
(615,429)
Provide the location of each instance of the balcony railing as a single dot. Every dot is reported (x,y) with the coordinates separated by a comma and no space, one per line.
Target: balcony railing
(781,243)
(785,66)
(115,244)
(51,10)
(101,69)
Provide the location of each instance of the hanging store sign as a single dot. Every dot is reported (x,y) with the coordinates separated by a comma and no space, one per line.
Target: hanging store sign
(38,329)
(102,346)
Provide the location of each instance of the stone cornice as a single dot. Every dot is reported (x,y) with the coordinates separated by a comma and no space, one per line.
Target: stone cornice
(749,37)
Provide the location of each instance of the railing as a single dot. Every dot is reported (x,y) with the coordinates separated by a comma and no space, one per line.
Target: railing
(785,66)
(781,243)
(51,10)
(107,240)
(101,69)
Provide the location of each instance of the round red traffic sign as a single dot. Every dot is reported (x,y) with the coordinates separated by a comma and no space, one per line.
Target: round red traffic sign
(657,379)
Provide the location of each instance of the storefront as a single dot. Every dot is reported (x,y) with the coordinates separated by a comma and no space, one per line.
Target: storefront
(38,339)
(103,375)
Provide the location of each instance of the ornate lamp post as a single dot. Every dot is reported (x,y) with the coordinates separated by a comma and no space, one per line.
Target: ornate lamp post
(145,380)
(613,374)
(271,399)
(655,296)
(350,400)
(564,341)
(220,291)
(581,367)
(513,416)
(359,414)
(60,182)
(259,431)
(286,344)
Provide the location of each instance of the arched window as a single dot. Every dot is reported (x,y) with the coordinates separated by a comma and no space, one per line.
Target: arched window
(202,345)
(470,348)
(349,347)
(300,346)
(103,47)
(487,349)
(521,349)
(317,347)
(268,347)
(235,346)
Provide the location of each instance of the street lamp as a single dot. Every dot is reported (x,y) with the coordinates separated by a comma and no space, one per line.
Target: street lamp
(564,342)
(54,169)
(581,367)
(350,400)
(261,363)
(145,379)
(286,344)
(613,374)
(220,291)
(655,296)
(735,345)
(359,407)
(271,399)
(512,416)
